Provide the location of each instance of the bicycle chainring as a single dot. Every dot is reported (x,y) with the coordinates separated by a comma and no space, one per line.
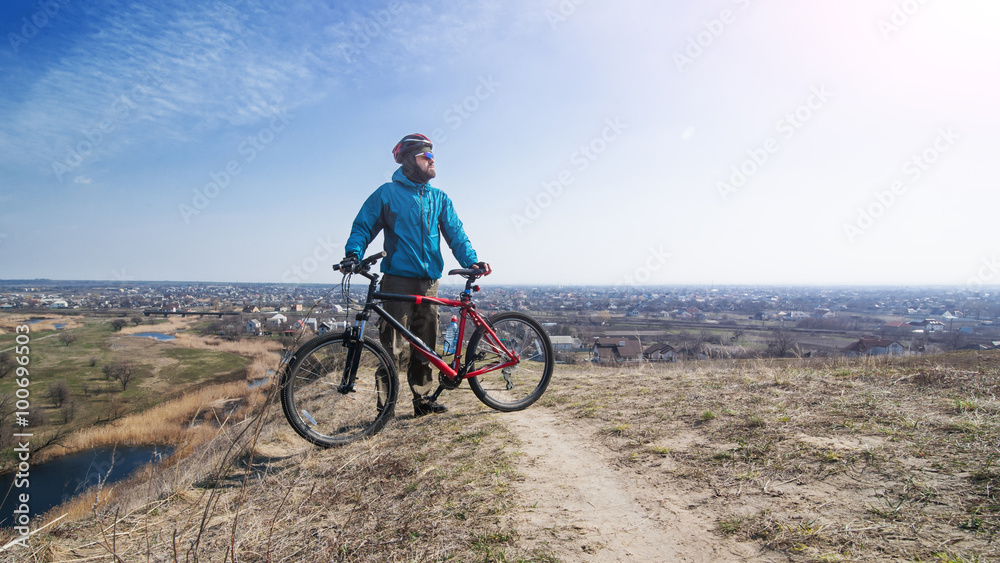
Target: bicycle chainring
(447,382)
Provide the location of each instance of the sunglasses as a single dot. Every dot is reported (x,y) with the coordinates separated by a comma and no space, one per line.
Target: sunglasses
(428,155)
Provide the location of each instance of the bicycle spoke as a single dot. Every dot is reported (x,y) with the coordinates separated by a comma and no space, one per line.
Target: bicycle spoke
(314,404)
(516,386)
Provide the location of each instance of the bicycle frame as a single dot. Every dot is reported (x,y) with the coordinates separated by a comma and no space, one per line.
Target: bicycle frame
(468,312)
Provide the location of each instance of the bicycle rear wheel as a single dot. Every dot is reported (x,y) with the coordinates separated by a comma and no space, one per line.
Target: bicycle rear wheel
(518,386)
(315,407)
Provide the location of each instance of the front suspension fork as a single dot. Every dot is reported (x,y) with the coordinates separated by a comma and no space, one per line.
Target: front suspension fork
(354,347)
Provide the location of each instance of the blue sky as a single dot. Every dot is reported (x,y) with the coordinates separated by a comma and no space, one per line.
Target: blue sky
(582,142)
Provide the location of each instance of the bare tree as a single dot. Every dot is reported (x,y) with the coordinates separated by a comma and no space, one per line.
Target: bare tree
(6,364)
(116,409)
(118,324)
(54,439)
(120,370)
(59,393)
(36,417)
(68,411)
(6,408)
(137,321)
(688,342)
(954,340)
(737,335)
(67,338)
(710,337)
(125,374)
(781,343)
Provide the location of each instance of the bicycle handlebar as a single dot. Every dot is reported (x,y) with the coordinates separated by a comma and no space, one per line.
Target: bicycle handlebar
(365,264)
(468,272)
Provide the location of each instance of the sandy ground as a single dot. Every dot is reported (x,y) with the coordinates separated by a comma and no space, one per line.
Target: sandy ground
(580,507)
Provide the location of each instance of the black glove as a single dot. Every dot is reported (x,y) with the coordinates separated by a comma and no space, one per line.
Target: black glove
(348,264)
(482,266)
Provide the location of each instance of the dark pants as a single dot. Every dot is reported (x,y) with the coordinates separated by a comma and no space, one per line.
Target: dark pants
(421,320)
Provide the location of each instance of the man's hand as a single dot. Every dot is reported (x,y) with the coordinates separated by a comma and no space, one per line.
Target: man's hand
(482,266)
(348,264)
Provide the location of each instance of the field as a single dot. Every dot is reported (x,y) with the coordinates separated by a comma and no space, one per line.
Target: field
(76,357)
(766,460)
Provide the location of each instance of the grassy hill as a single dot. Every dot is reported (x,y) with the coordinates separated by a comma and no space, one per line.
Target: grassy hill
(793,460)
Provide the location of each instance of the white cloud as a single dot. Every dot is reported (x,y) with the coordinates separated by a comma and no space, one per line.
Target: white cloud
(179,70)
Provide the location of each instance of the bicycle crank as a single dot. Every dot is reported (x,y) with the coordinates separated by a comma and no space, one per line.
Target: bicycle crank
(447,382)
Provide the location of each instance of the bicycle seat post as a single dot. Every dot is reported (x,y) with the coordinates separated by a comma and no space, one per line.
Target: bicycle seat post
(469,288)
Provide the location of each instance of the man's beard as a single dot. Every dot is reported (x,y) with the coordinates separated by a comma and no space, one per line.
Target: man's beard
(412,171)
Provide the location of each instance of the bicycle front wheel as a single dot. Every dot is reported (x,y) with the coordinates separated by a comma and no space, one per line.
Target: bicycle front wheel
(517,386)
(318,408)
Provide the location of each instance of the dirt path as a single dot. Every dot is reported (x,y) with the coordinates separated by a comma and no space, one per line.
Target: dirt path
(581,508)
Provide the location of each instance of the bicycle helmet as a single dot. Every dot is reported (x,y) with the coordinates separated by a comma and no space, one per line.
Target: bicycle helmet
(410,144)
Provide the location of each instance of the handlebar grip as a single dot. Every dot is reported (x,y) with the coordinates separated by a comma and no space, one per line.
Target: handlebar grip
(475,272)
(363,264)
(374,258)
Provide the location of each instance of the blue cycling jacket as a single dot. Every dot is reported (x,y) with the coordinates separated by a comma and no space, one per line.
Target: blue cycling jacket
(413,218)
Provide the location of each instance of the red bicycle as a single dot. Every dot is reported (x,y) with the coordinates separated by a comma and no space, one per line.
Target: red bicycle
(338,388)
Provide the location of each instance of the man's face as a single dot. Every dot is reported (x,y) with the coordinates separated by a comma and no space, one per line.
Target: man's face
(426,165)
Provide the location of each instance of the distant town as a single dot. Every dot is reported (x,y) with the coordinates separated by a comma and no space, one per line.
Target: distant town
(587,323)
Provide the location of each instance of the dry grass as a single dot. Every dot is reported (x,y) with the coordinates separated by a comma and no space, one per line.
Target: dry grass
(205,428)
(264,354)
(399,496)
(851,460)
(193,418)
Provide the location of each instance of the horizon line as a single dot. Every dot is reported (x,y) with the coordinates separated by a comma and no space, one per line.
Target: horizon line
(712,285)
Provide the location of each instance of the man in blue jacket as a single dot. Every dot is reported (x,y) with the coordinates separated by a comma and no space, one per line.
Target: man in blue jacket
(413,215)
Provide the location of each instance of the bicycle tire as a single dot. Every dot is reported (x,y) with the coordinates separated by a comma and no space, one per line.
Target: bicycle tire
(516,387)
(320,413)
